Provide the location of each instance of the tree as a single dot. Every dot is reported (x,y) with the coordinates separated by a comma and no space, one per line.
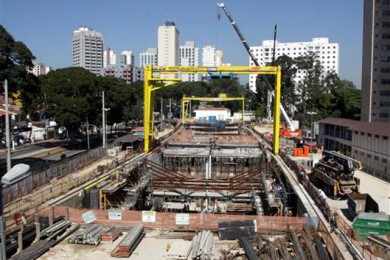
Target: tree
(71,96)
(15,58)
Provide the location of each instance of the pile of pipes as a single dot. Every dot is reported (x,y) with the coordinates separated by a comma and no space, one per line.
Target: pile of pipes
(129,242)
(89,234)
(54,235)
(201,246)
(55,229)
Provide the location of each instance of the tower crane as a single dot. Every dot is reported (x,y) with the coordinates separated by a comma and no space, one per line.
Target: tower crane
(293,130)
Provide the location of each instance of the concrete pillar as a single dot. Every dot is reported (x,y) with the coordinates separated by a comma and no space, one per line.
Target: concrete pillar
(20,239)
(51,216)
(37,228)
(67,213)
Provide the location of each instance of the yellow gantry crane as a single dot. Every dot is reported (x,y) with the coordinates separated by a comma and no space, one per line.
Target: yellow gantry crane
(222,97)
(159,77)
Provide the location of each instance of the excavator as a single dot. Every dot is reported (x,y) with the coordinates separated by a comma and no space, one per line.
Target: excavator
(292,130)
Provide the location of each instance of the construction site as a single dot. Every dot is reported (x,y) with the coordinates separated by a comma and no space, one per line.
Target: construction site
(208,187)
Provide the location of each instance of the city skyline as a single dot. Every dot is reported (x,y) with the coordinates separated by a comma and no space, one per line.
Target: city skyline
(326,20)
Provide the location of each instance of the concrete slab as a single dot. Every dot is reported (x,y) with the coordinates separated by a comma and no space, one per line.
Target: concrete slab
(377,188)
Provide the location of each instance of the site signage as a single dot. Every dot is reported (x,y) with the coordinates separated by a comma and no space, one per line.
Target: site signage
(114,214)
(148,216)
(88,217)
(182,219)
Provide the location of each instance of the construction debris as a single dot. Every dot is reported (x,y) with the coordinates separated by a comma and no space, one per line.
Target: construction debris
(235,229)
(90,234)
(129,242)
(201,246)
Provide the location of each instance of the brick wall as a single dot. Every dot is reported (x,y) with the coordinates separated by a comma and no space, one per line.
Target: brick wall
(197,221)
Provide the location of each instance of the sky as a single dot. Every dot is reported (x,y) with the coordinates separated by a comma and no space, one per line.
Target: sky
(46,26)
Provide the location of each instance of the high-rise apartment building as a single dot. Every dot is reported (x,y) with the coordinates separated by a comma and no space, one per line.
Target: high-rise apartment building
(168,45)
(109,58)
(376,61)
(126,58)
(39,69)
(148,57)
(189,56)
(87,49)
(211,57)
(327,54)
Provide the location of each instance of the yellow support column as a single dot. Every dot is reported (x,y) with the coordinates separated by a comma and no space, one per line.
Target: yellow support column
(276,137)
(148,114)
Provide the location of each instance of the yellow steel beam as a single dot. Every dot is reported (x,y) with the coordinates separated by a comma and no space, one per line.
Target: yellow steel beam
(276,135)
(149,87)
(264,70)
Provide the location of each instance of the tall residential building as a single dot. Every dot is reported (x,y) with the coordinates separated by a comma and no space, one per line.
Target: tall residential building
(189,56)
(376,61)
(109,58)
(148,57)
(87,49)
(211,57)
(39,69)
(327,54)
(168,45)
(126,58)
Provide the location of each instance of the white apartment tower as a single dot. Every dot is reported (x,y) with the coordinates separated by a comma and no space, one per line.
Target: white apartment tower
(211,57)
(326,52)
(109,58)
(148,57)
(168,45)
(189,56)
(39,69)
(127,58)
(87,49)
(376,61)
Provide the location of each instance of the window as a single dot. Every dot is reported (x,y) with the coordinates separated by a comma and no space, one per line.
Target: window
(384,160)
(376,158)
(386,36)
(386,24)
(385,70)
(385,81)
(384,93)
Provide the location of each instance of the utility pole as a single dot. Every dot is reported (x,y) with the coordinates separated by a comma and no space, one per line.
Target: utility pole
(88,134)
(104,121)
(3,255)
(7,128)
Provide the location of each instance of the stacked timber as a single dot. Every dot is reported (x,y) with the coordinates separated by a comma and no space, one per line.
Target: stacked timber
(129,242)
(201,246)
(111,234)
(90,234)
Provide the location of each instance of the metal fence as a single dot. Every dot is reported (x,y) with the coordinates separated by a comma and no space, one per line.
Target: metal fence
(58,170)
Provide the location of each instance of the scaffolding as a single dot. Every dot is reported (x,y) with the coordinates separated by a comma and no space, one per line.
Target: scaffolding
(158,77)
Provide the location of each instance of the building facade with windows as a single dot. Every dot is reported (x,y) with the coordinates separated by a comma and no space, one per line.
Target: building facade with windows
(109,58)
(39,69)
(363,141)
(126,58)
(87,49)
(168,45)
(148,57)
(327,54)
(376,61)
(211,56)
(189,56)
